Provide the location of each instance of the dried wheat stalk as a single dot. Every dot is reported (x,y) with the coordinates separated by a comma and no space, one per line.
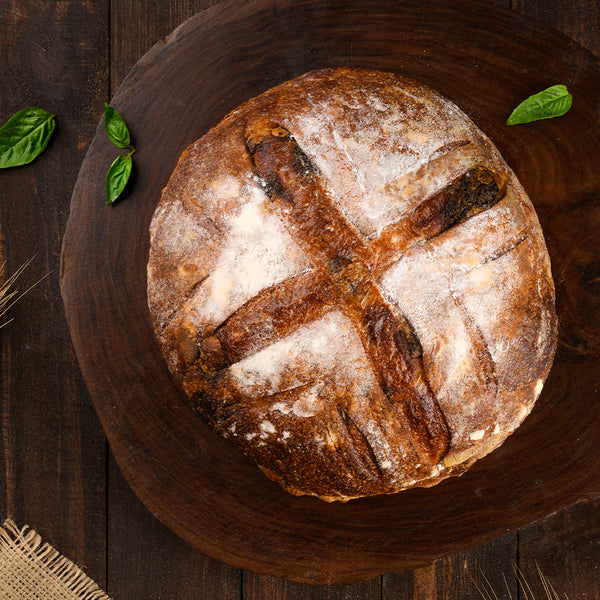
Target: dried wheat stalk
(9,295)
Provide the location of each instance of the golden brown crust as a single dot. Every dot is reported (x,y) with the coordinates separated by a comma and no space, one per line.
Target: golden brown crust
(351,285)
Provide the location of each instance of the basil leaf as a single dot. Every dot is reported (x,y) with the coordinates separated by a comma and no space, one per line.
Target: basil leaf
(25,136)
(117,177)
(115,127)
(552,102)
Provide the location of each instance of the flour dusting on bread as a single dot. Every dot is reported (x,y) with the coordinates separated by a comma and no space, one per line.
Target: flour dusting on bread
(351,285)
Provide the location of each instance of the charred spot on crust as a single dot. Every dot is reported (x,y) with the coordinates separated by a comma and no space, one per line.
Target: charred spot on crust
(470,194)
(477,189)
(338,262)
(406,338)
(272,186)
(303,166)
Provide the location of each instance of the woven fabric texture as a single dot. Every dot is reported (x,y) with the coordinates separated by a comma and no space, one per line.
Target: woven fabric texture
(33,570)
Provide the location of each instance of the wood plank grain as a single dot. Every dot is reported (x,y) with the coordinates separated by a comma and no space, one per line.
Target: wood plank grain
(466,575)
(198,476)
(550,543)
(146,560)
(137,25)
(579,19)
(52,456)
(53,451)
(136,538)
(566,547)
(264,587)
(458,575)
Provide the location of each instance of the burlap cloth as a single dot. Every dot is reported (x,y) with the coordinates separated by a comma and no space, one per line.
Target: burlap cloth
(32,570)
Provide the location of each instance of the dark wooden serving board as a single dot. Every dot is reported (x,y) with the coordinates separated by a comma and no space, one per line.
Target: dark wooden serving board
(484,58)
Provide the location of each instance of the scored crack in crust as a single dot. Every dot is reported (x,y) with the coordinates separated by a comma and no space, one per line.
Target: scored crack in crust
(350,284)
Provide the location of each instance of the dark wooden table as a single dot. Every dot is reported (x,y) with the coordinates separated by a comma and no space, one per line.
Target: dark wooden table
(56,469)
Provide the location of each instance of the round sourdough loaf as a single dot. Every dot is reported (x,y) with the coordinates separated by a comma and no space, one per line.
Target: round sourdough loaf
(351,285)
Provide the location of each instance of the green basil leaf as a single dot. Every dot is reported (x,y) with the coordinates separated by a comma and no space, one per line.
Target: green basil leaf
(117,177)
(551,102)
(115,127)
(25,136)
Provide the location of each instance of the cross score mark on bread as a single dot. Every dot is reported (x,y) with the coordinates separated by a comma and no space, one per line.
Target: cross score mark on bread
(346,266)
(389,420)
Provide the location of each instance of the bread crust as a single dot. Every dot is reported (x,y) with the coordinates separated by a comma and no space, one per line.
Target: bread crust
(351,285)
